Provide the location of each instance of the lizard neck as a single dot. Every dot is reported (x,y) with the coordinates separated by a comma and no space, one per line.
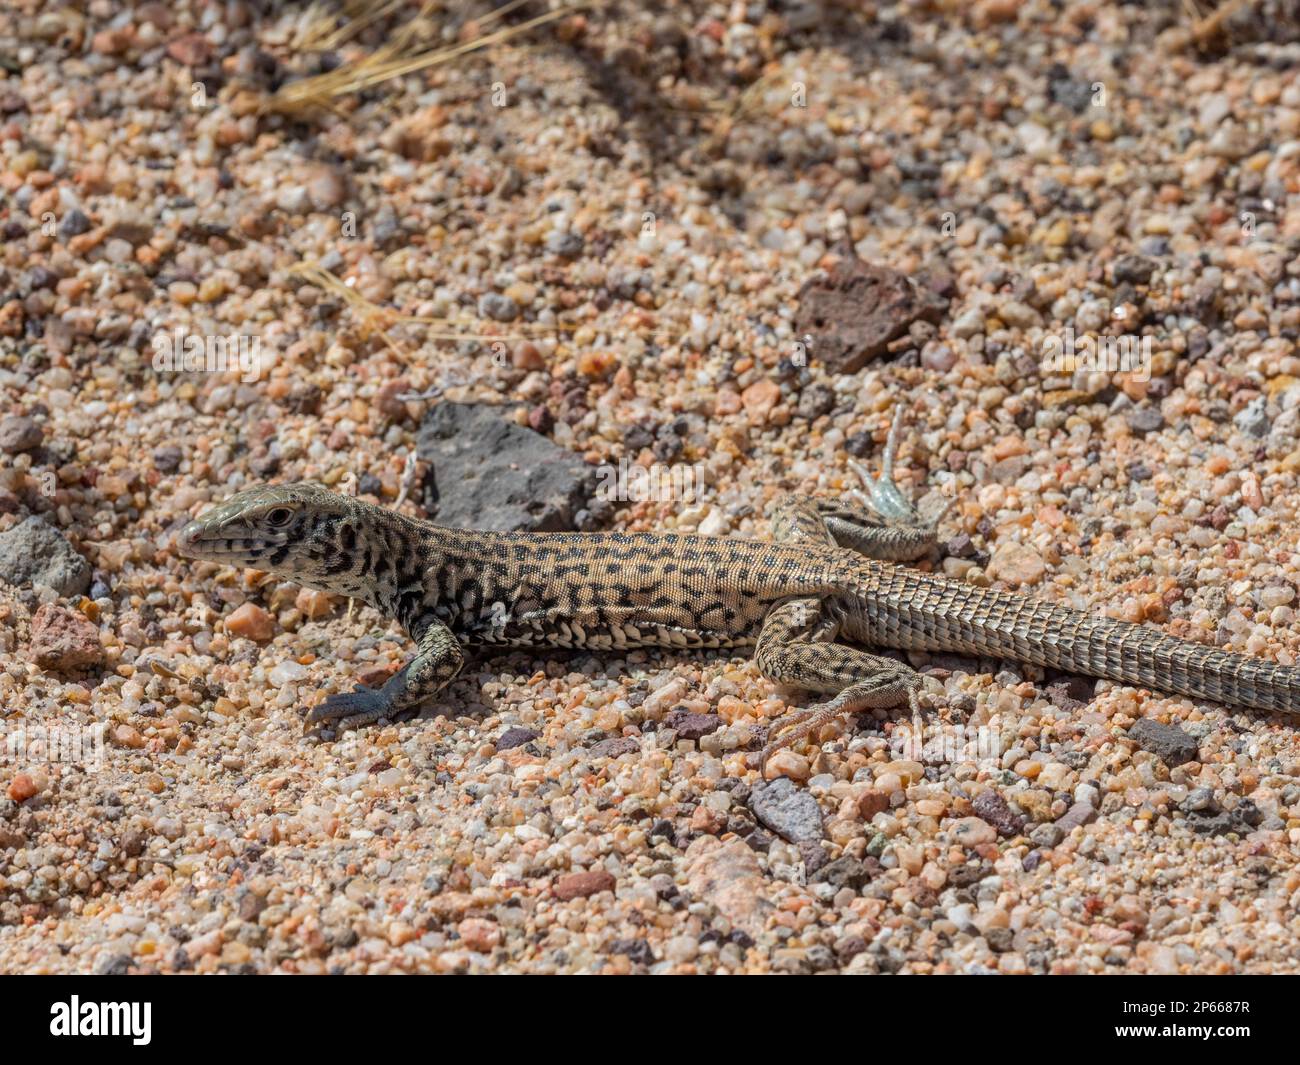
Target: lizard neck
(375,555)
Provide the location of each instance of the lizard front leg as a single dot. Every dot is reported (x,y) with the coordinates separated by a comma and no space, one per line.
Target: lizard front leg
(437,661)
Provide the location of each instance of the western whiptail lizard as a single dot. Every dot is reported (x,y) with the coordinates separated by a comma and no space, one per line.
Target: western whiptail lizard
(791,599)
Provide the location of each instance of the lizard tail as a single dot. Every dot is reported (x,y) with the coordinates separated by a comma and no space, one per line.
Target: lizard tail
(920,612)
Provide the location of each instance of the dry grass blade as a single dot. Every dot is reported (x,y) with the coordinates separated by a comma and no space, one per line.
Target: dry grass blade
(322,36)
(1209,27)
(730,112)
(376,319)
(400,58)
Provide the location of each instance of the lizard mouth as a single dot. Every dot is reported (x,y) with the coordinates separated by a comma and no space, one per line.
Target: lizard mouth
(194,541)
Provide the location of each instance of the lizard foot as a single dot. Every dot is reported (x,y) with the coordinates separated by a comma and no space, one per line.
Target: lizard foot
(880,495)
(800,724)
(352,710)
(878,520)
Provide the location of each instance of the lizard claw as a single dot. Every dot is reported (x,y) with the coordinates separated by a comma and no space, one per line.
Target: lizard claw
(351,710)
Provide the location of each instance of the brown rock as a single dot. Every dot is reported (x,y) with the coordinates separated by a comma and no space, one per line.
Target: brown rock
(376,676)
(386,401)
(193,50)
(22,788)
(874,801)
(326,187)
(854,312)
(128,736)
(479,934)
(1037,804)
(580,885)
(19,433)
(109,42)
(64,640)
(251,622)
(516,737)
(760,397)
(1017,565)
(691,726)
(1063,398)
(11,319)
(128,224)
(540,419)
(727,874)
(614,747)
(156,13)
(526,356)
(707,820)
(597,363)
(990,806)
(1078,814)
(727,402)
(313,604)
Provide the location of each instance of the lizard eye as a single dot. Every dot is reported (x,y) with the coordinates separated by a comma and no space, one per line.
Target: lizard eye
(279,517)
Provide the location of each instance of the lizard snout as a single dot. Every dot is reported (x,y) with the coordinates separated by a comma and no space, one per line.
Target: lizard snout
(188,538)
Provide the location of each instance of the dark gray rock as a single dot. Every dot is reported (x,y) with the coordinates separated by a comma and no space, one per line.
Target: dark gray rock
(614,747)
(1243,819)
(167,459)
(1169,743)
(691,726)
(1200,801)
(1063,88)
(488,473)
(36,553)
(1078,814)
(74,224)
(814,856)
(1143,420)
(964,875)
(498,307)
(792,961)
(515,737)
(846,872)
(1135,269)
(565,243)
(638,951)
(815,401)
(788,811)
(1253,419)
(991,807)
(1071,693)
(19,433)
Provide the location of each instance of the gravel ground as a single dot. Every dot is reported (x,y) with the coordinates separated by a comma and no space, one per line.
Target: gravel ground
(632,202)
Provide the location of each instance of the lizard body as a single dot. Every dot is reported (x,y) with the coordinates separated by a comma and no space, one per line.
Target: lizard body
(793,600)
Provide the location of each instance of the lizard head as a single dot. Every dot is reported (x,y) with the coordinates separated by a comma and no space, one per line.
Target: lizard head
(300,531)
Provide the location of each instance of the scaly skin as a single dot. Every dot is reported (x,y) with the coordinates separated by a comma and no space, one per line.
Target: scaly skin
(791,600)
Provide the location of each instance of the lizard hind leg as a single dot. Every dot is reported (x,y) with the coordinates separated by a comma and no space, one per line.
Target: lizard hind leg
(796,647)
(857,680)
(796,644)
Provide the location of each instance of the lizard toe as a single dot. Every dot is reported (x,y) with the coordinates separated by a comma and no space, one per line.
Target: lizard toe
(349,710)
